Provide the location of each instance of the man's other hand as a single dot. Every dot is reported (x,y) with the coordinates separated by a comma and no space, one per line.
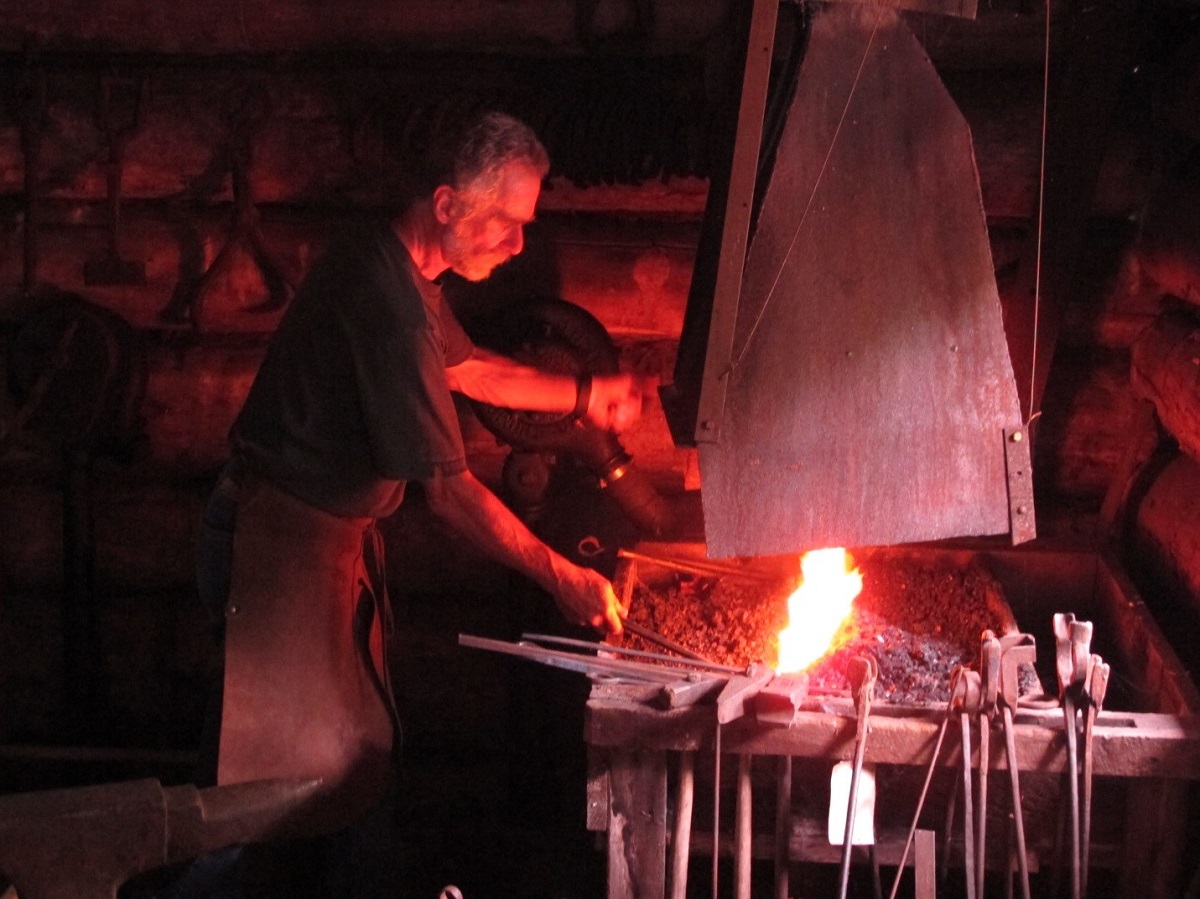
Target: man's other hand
(616,400)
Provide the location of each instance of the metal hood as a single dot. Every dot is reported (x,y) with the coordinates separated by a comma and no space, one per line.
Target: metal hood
(846,378)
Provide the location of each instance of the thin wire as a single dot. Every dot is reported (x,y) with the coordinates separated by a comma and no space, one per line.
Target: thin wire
(821,174)
(1037,272)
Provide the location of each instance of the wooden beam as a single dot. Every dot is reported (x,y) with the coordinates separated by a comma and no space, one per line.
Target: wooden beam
(1125,744)
(962,9)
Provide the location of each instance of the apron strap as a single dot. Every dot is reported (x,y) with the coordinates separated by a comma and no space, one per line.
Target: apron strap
(373,602)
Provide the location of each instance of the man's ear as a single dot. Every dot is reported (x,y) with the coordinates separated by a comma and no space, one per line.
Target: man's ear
(443,203)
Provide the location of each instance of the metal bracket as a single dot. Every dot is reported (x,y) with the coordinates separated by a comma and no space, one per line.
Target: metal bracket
(735,230)
(1018,471)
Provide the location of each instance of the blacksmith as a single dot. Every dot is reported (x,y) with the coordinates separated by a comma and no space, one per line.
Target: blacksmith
(352,402)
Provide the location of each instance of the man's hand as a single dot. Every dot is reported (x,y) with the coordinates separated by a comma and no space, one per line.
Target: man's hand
(616,400)
(587,598)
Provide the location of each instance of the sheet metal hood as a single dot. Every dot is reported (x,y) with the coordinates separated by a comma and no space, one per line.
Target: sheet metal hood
(846,379)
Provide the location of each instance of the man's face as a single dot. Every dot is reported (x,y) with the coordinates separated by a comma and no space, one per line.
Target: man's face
(487,229)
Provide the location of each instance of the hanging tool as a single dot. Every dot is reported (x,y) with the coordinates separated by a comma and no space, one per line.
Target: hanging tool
(863,672)
(955,677)
(1083,683)
(731,705)
(1072,654)
(1016,650)
(989,677)
(966,701)
(118,116)
(246,119)
(1097,688)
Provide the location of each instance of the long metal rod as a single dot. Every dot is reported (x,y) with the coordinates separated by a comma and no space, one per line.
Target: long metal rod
(848,837)
(1070,727)
(573,661)
(1085,839)
(937,748)
(659,640)
(863,690)
(697,566)
(699,664)
(985,739)
(1010,743)
(964,721)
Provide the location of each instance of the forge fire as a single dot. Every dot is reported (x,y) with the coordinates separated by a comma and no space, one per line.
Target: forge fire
(916,619)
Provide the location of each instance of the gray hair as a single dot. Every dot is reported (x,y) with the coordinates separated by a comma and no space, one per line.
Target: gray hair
(490,142)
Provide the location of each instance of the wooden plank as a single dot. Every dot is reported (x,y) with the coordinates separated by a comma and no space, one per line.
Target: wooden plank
(245,27)
(637,825)
(735,219)
(869,384)
(597,812)
(962,9)
(925,851)
(1155,833)
(1125,744)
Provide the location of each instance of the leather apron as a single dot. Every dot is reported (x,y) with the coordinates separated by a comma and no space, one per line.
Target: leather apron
(306,688)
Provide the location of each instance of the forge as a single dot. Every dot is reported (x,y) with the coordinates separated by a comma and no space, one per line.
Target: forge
(659,796)
(918,618)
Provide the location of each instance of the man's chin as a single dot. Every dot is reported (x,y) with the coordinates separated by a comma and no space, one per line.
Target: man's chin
(480,270)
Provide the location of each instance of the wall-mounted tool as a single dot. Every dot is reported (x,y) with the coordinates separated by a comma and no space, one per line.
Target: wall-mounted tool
(118,116)
(251,111)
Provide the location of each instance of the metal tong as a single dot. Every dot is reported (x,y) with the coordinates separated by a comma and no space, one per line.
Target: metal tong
(1082,684)
(864,671)
(995,687)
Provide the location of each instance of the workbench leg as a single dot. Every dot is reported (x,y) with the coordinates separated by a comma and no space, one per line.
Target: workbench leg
(743,831)
(1155,829)
(925,865)
(637,825)
(783,827)
(681,842)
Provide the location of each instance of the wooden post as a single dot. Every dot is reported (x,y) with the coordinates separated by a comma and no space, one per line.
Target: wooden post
(637,825)
(743,831)
(783,821)
(682,837)
(1155,829)
(925,864)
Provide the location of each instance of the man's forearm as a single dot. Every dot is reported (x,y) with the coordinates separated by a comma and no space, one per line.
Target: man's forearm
(475,512)
(608,401)
(500,381)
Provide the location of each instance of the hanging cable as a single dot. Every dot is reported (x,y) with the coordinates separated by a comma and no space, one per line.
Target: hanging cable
(812,195)
(1041,211)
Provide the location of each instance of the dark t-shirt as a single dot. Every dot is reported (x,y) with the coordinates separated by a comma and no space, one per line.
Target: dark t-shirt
(351,399)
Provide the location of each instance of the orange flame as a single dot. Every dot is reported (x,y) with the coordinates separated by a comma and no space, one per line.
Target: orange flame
(817,608)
